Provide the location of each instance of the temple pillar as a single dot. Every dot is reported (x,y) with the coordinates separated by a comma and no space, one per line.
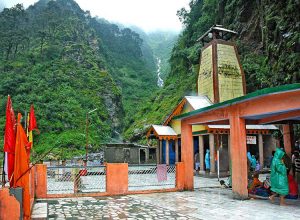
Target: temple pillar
(176,151)
(212,153)
(160,152)
(229,156)
(288,134)
(167,152)
(238,150)
(201,153)
(157,152)
(261,150)
(187,155)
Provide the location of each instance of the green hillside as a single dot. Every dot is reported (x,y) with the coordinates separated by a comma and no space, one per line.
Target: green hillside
(67,63)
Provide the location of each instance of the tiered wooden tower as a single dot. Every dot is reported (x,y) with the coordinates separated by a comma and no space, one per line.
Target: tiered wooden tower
(221,76)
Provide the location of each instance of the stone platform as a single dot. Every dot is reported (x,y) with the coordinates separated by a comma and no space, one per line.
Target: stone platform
(204,203)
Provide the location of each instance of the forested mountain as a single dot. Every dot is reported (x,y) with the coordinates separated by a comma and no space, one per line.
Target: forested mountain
(268,42)
(66,63)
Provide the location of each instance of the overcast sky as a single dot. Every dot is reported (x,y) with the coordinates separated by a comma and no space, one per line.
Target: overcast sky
(150,15)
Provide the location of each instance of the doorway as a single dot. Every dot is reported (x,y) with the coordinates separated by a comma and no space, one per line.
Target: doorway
(142,156)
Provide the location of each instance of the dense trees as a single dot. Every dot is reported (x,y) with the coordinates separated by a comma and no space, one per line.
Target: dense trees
(65,62)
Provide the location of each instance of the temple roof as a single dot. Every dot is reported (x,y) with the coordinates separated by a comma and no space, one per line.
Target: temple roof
(250,97)
(196,102)
(222,33)
(162,132)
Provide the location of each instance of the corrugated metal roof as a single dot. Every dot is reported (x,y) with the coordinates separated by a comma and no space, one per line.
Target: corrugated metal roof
(248,127)
(198,102)
(164,130)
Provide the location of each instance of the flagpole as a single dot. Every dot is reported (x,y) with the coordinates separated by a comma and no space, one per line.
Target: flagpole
(3,171)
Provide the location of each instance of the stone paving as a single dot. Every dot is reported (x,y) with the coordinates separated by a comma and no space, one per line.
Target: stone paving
(199,204)
(207,202)
(217,203)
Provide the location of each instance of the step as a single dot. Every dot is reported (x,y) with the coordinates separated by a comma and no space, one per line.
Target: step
(40,211)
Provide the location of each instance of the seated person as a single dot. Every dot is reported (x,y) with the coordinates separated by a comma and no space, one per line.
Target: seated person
(256,187)
(293,188)
(255,182)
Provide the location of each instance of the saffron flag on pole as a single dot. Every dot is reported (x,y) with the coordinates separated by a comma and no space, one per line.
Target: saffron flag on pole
(9,140)
(31,125)
(32,120)
(21,172)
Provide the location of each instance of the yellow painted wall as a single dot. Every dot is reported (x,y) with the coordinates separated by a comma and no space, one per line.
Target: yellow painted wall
(229,73)
(176,124)
(186,108)
(198,128)
(205,78)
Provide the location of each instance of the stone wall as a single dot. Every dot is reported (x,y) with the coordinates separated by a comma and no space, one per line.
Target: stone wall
(125,153)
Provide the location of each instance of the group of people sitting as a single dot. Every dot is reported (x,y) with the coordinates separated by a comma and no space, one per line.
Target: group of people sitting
(281,181)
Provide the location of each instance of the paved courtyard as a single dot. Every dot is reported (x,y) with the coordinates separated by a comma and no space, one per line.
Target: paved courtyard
(204,203)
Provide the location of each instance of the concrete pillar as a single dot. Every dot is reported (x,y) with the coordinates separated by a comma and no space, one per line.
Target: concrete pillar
(261,150)
(180,175)
(157,152)
(187,155)
(32,186)
(116,178)
(238,150)
(288,134)
(201,153)
(229,155)
(176,151)
(212,153)
(41,181)
(167,153)
(9,205)
(160,151)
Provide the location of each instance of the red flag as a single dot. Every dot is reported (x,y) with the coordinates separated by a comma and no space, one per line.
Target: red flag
(32,119)
(21,174)
(10,138)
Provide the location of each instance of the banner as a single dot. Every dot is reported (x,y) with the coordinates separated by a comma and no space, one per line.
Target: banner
(161,172)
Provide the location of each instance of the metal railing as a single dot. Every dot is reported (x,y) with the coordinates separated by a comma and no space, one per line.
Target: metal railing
(147,177)
(76,179)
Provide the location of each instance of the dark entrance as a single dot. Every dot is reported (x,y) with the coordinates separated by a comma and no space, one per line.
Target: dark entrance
(142,156)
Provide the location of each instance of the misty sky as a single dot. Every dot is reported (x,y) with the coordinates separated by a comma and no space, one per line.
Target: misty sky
(150,15)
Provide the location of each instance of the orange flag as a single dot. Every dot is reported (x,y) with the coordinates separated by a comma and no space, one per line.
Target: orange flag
(9,140)
(21,174)
(32,119)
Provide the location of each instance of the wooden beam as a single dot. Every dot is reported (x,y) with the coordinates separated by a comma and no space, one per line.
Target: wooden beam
(274,103)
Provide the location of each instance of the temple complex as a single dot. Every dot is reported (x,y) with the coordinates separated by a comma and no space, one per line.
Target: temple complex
(221,78)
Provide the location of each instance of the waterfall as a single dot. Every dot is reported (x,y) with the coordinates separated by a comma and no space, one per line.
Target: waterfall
(160,82)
